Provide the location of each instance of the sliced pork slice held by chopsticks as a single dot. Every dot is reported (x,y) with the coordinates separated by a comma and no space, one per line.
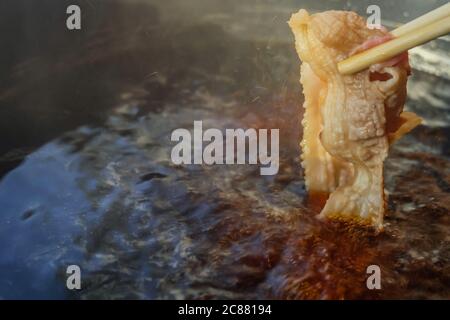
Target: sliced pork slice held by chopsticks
(350,120)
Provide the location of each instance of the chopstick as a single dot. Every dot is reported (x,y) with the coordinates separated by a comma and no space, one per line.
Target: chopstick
(430,17)
(419,31)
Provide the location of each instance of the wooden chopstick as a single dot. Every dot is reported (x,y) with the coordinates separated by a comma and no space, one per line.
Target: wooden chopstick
(412,34)
(422,21)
